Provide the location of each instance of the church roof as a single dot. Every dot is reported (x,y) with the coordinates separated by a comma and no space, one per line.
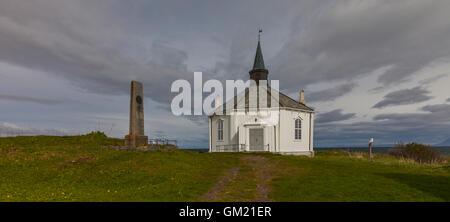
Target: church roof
(284,101)
(259,60)
(288,102)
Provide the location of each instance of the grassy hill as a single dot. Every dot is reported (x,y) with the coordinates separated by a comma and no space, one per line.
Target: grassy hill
(79,168)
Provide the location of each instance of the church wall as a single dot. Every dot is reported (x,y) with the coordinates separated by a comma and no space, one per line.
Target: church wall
(265,119)
(234,129)
(214,132)
(288,143)
(311,136)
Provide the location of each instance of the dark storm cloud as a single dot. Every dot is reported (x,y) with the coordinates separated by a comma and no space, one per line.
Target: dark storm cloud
(330,94)
(100,46)
(78,42)
(389,128)
(334,116)
(437,108)
(352,37)
(432,79)
(40,100)
(404,97)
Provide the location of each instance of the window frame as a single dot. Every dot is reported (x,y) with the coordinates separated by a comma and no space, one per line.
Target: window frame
(298,129)
(220,123)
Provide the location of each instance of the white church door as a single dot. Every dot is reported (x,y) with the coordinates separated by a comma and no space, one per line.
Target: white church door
(256,139)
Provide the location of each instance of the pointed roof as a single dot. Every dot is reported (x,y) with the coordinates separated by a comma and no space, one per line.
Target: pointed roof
(284,101)
(259,60)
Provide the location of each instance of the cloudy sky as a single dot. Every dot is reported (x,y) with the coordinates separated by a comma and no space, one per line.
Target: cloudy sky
(370,68)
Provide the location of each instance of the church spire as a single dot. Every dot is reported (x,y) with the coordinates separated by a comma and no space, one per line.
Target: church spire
(259,60)
(259,71)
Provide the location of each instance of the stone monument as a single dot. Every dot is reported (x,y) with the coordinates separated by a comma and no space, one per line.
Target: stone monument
(136,136)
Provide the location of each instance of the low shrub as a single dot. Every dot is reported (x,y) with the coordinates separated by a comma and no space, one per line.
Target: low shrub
(418,152)
(96,134)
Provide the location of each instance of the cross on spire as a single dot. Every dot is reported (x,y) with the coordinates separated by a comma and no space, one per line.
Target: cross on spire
(259,34)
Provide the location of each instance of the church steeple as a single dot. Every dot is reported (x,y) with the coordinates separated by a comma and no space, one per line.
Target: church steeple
(259,60)
(259,71)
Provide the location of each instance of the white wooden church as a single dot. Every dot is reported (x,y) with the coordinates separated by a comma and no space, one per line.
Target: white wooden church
(284,126)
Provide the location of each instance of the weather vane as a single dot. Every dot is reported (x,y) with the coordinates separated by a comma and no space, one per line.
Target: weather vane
(259,34)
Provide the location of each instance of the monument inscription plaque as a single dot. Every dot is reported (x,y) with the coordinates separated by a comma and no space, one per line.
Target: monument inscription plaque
(136,136)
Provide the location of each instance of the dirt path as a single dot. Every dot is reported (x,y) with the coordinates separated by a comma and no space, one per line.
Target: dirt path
(262,170)
(256,173)
(218,188)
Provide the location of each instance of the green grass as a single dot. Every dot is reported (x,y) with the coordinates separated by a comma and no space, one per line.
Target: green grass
(340,176)
(46,168)
(78,169)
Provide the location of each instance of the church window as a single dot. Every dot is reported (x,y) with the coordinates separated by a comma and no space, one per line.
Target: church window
(298,129)
(220,129)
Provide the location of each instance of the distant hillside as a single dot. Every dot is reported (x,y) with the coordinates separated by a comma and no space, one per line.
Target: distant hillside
(444,143)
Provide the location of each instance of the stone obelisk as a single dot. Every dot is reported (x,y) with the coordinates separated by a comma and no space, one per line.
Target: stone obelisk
(136,136)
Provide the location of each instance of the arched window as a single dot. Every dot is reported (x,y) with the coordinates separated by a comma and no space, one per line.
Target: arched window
(298,129)
(220,129)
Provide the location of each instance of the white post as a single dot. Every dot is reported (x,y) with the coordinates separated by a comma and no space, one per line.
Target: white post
(370,147)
